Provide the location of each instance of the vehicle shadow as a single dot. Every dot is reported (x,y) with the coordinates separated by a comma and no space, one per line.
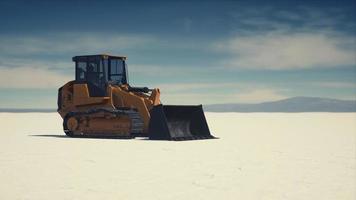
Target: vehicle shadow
(78,137)
(110,138)
(48,135)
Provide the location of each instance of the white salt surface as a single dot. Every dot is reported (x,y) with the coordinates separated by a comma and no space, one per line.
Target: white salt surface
(258,156)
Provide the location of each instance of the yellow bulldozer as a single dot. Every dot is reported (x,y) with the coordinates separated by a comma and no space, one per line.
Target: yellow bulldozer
(100,103)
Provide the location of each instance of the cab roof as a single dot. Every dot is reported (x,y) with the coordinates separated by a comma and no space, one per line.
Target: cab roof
(97,56)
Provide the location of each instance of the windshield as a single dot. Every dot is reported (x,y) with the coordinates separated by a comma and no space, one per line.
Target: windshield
(101,71)
(117,71)
(91,71)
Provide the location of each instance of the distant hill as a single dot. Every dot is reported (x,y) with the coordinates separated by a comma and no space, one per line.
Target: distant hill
(295,104)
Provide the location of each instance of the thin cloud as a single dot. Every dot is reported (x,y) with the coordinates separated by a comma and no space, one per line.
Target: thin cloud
(156,70)
(35,63)
(209,93)
(70,43)
(295,38)
(31,78)
(171,70)
(281,50)
(299,18)
(187,87)
(334,84)
(31,74)
(27,62)
(256,95)
(259,95)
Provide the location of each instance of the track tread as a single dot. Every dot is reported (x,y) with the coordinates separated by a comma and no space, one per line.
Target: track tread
(136,128)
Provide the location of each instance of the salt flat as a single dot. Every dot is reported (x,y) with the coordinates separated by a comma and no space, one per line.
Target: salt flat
(258,156)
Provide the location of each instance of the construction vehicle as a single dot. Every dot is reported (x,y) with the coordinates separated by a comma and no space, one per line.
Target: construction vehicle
(101,103)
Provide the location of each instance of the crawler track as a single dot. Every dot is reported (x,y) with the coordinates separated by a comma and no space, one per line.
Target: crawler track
(137,124)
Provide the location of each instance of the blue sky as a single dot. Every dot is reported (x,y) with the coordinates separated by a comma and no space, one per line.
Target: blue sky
(195,51)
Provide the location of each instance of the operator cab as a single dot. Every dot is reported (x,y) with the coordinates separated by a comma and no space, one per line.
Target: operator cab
(97,71)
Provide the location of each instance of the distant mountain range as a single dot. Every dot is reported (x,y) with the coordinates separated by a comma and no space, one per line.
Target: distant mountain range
(295,104)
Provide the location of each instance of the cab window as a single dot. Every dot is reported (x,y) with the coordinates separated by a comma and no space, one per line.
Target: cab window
(117,71)
(81,70)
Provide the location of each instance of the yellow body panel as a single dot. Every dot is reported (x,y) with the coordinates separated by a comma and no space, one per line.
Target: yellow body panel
(76,98)
(82,98)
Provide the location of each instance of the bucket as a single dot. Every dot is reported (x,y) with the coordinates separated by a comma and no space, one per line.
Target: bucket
(178,122)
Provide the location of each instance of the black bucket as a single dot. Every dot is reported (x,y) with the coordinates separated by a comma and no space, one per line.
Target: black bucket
(178,123)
